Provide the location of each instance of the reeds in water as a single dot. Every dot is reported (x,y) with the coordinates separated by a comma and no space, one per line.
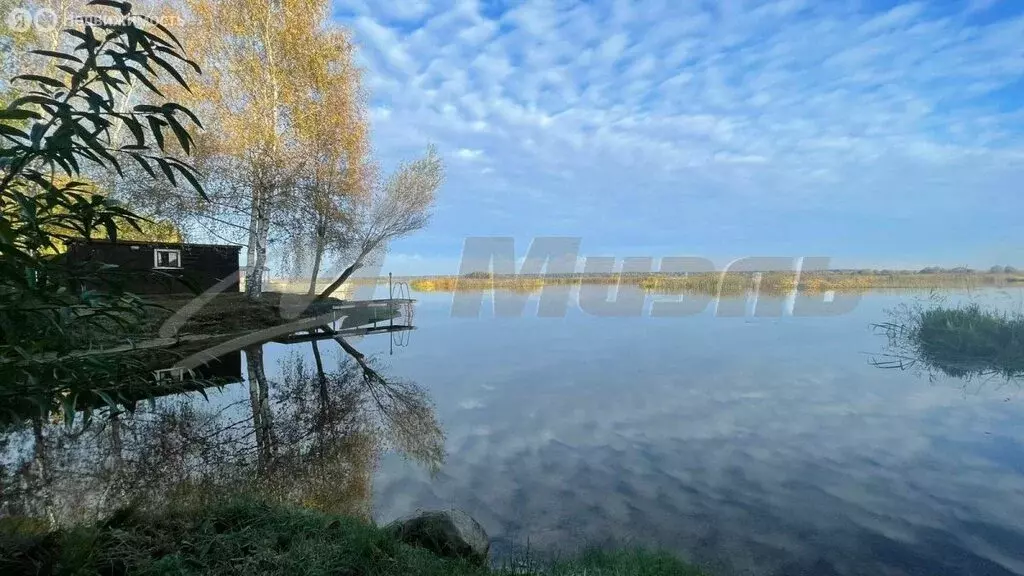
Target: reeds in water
(716,283)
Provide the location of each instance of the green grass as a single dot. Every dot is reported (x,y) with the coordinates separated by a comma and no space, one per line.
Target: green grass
(969,339)
(961,341)
(251,538)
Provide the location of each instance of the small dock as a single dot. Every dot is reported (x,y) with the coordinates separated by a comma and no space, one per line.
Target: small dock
(344,333)
(362,312)
(377,302)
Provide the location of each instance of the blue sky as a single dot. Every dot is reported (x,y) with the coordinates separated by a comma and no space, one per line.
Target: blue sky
(881,134)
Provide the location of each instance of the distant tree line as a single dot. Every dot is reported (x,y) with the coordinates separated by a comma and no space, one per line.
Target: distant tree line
(964,270)
(847,271)
(941,270)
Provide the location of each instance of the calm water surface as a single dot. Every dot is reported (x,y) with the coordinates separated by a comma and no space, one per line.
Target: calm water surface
(748,445)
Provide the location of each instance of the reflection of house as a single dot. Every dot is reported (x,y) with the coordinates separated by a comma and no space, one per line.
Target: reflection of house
(219,371)
(169,380)
(162,267)
(224,369)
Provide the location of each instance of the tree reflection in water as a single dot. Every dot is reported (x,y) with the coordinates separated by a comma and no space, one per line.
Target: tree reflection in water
(311,437)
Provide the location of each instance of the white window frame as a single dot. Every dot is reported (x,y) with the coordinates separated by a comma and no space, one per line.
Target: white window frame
(156,259)
(175,374)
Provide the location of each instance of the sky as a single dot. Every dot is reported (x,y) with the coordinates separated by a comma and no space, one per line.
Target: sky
(880,134)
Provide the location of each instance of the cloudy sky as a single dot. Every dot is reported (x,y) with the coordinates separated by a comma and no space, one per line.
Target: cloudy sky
(877,133)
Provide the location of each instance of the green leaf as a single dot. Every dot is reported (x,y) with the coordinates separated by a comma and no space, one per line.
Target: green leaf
(55,128)
(68,70)
(107,399)
(156,127)
(124,7)
(47,102)
(40,80)
(12,133)
(163,29)
(175,107)
(69,404)
(14,113)
(135,127)
(190,174)
(141,161)
(165,166)
(36,135)
(149,40)
(171,70)
(64,164)
(170,52)
(59,55)
(142,59)
(184,138)
(111,227)
(141,77)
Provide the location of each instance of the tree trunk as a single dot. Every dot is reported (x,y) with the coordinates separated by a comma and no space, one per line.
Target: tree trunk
(319,362)
(267,187)
(40,469)
(341,279)
(259,400)
(317,257)
(359,357)
(116,445)
(254,289)
(250,249)
(321,376)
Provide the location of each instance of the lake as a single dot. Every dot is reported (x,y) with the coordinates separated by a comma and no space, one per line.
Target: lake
(749,445)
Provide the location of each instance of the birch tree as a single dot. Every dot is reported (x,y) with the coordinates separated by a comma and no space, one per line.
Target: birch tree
(267,64)
(338,172)
(397,208)
(17,37)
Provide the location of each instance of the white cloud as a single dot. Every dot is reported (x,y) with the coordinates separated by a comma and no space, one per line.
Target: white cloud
(760,102)
(469,154)
(610,49)
(385,43)
(980,5)
(404,10)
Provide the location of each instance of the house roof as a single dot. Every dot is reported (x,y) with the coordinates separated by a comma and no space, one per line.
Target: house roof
(83,241)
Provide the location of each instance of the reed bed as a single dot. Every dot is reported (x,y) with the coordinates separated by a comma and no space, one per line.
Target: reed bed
(716,283)
(963,342)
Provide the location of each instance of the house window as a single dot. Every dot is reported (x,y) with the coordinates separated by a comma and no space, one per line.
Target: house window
(176,374)
(166,258)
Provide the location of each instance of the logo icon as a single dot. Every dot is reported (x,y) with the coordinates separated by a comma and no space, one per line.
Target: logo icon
(45,20)
(19,20)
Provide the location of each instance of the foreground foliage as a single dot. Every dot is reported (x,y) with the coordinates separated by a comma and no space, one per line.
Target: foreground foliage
(247,537)
(62,130)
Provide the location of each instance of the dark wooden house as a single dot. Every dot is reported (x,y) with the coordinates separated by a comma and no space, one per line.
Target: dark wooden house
(162,267)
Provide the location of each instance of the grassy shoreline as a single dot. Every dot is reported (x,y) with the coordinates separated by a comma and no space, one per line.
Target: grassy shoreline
(228,313)
(249,537)
(722,283)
